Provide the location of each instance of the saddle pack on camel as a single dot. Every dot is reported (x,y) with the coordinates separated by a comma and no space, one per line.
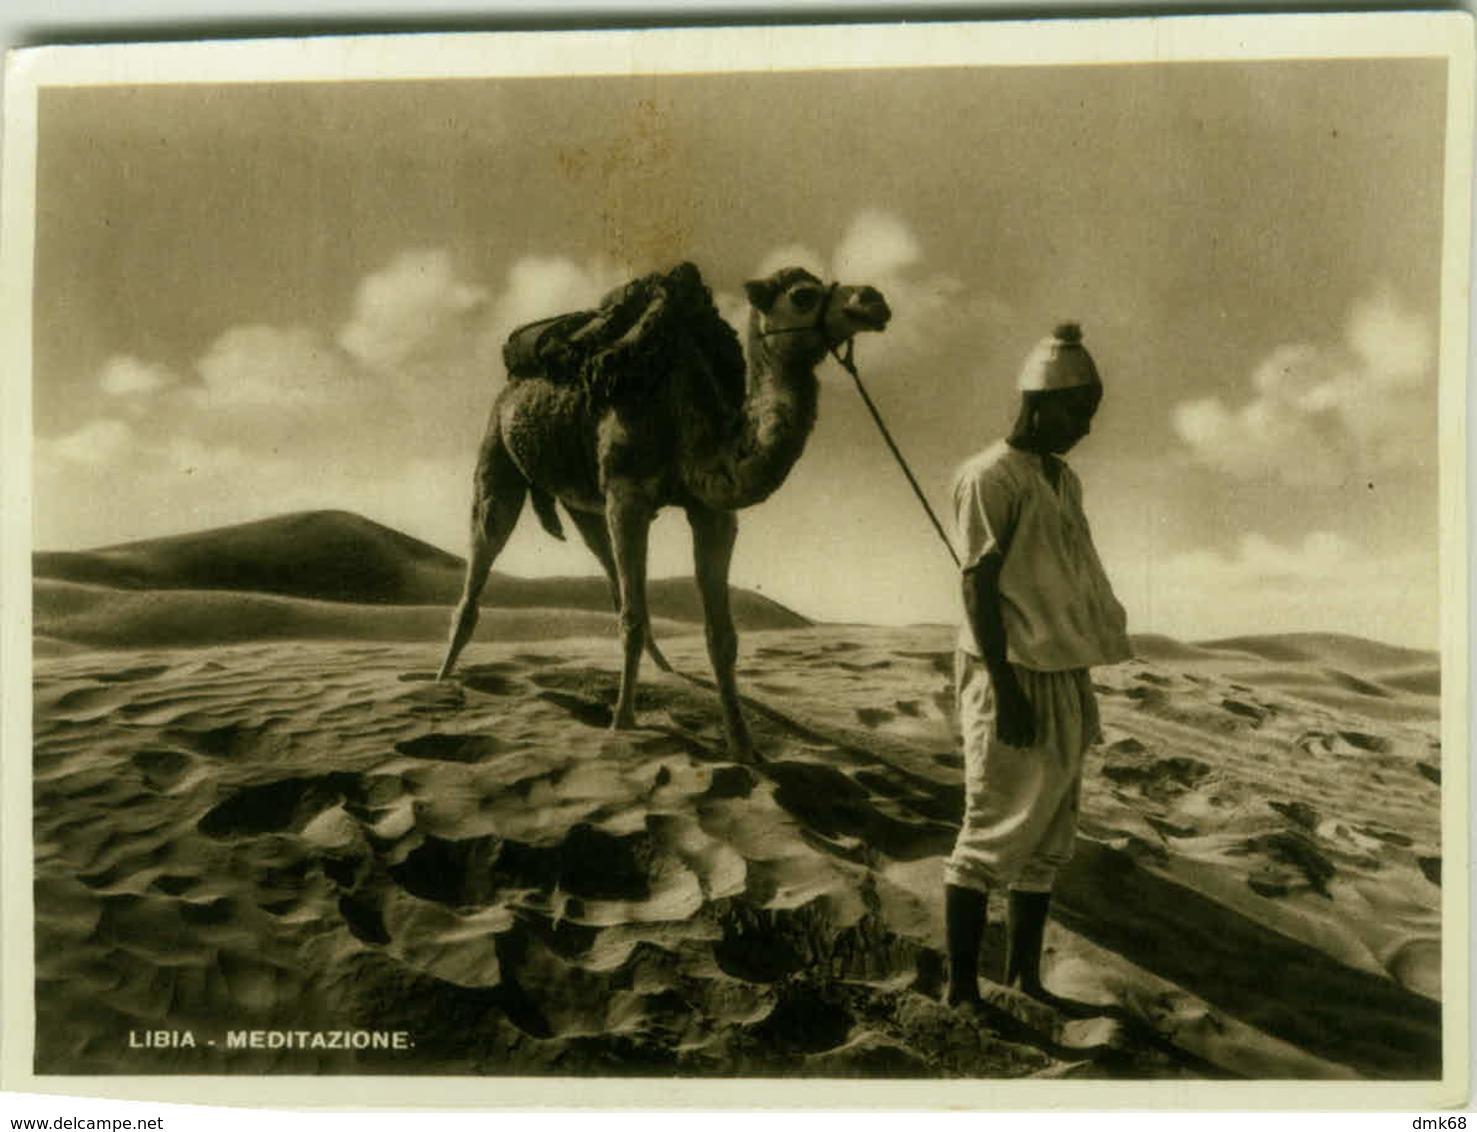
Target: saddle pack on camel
(628,339)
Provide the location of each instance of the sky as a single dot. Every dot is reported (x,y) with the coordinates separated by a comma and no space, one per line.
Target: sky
(253,299)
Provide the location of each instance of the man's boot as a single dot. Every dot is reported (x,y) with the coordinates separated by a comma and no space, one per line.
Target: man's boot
(965,910)
(1025,936)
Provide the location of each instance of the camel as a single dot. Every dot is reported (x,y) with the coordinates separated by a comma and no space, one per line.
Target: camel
(667,415)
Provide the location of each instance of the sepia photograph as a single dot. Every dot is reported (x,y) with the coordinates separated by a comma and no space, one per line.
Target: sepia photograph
(922,561)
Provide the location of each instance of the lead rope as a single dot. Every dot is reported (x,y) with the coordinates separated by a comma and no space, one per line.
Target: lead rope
(850,367)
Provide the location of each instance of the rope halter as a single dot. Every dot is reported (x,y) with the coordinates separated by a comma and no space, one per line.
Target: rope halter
(842,351)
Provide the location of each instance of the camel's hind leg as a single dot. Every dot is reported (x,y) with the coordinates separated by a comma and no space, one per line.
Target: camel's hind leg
(713,536)
(628,514)
(593,530)
(499,494)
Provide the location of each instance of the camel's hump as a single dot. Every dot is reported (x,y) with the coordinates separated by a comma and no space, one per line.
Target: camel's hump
(626,338)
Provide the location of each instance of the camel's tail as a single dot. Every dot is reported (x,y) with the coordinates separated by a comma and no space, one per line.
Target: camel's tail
(543,507)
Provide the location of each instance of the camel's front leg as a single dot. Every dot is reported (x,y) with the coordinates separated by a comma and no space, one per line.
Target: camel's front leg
(498,500)
(713,535)
(628,515)
(593,530)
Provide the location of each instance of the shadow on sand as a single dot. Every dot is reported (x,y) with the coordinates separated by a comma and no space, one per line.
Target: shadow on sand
(1268,980)
(1285,988)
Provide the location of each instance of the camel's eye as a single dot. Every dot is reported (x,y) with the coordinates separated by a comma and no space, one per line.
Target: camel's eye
(804,298)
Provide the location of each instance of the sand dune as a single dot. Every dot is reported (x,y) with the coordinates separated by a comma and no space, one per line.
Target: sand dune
(1383,681)
(317,835)
(105,617)
(1423,679)
(330,555)
(1334,650)
(340,557)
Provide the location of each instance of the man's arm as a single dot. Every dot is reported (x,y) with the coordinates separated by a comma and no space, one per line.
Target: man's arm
(1015,723)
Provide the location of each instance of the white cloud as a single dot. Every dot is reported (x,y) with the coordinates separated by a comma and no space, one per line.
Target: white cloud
(112,447)
(1321,557)
(277,418)
(1395,348)
(1320,415)
(97,443)
(411,307)
(876,246)
(541,286)
(273,367)
(930,309)
(125,376)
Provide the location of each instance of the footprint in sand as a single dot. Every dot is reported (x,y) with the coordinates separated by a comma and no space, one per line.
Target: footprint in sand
(1390,837)
(452,748)
(537,660)
(1373,743)
(668,743)
(834,805)
(174,884)
(232,741)
(163,770)
(730,782)
(461,873)
(1160,780)
(1169,829)
(1299,813)
(1246,711)
(479,679)
(1059,1026)
(1147,697)
(1294,850)
(487,679)
(436,698)
(273,807)
(128,675)
(592,713)
(366,922)
(688,720)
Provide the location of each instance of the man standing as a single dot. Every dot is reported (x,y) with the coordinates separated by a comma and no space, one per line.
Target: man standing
(1039,613)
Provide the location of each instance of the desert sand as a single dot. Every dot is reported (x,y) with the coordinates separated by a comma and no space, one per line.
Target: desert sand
(261,812)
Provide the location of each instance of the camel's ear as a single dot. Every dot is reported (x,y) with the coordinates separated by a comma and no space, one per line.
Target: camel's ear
(761,293)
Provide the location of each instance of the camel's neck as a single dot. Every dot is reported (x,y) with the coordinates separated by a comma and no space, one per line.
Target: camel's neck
(779,413)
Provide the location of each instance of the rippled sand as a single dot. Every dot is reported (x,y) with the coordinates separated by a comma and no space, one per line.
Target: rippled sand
(316,835)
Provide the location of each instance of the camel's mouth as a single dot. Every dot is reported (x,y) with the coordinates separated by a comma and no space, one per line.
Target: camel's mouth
(868,310)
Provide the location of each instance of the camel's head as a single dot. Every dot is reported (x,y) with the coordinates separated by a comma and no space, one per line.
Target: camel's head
(813,316)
